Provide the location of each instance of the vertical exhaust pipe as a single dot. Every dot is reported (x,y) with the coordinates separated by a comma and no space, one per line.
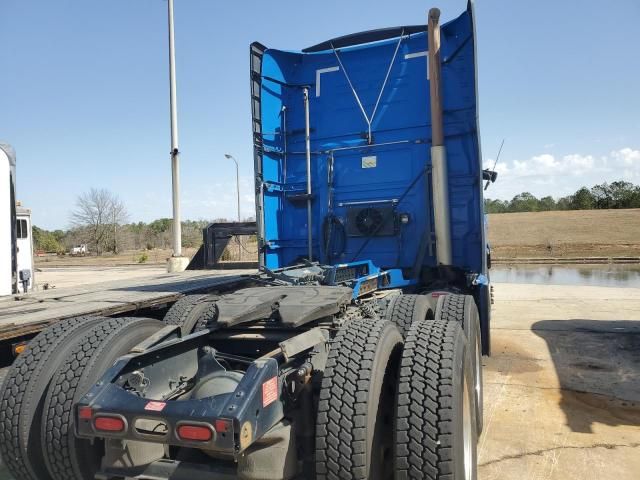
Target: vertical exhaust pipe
(307,144)
(440,183)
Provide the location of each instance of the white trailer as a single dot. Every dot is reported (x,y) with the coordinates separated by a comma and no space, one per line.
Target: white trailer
(16,244)
(24,249)
(8,260)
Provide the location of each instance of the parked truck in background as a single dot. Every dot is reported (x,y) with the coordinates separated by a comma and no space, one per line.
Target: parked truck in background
(355,352)
(78,250)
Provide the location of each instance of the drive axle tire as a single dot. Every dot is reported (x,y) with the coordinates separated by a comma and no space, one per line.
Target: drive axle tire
(436,436)
(356,402)
(68,457)
(403,310)
(23,392)
(462,309)
(192,312)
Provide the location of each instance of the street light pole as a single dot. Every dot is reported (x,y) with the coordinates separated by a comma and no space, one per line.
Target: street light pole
(237,180)
(175,153)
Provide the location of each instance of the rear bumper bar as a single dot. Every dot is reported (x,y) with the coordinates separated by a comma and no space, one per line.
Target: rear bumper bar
(235,419)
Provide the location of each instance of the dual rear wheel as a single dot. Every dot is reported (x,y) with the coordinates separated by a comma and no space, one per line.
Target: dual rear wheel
(37,440)
(398,398)
(436,432)
(405,310)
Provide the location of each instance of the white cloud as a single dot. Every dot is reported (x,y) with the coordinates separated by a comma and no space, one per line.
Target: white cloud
(547,174)
(627,156)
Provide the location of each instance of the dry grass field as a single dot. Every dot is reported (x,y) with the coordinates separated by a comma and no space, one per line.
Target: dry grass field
(156,256)
(242,248)
(576,233)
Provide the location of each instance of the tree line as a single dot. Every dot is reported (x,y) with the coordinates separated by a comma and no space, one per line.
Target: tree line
(101,221)
(618,194)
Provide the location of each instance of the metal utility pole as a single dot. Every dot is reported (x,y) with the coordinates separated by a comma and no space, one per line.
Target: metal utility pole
(238,198)
(237,180)
(175,153)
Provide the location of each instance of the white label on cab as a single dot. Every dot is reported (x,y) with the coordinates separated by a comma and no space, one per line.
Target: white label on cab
(369,162)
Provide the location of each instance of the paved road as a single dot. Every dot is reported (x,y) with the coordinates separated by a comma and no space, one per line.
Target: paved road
(62,277)
(562,389)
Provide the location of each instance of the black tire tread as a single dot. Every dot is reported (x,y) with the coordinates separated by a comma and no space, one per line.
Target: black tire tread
(182,313)
(341,427)
(424,447)
(402,311)
(18,387)
(57,427)
(453,308)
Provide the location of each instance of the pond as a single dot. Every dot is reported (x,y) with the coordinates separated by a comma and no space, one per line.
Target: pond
(612,275)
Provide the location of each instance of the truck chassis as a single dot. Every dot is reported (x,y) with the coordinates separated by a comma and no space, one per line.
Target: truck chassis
(288,377)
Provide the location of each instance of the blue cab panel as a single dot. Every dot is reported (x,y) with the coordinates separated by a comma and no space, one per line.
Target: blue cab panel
(370,134)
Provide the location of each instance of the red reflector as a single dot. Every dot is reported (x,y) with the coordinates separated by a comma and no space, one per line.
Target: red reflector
(85,413)
(109,424)
(195,433)
(222,426)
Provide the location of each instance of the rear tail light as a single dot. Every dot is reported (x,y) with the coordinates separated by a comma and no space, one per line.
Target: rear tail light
(222,426)
(85,413)
(109,424)
(195,433)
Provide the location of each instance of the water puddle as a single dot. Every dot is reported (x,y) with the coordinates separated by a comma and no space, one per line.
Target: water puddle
(613,275)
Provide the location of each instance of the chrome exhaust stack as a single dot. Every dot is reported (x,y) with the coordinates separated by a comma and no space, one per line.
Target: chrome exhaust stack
(440,183)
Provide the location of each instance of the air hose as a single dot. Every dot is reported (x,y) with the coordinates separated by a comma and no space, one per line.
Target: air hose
(334,236)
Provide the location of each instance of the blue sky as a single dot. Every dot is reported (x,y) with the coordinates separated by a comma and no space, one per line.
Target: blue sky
(84,93)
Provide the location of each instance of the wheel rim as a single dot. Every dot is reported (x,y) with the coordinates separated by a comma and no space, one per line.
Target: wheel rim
(478,376)
(467,436)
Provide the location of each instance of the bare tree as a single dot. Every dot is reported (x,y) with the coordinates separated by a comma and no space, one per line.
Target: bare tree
(119,216)
(99,212)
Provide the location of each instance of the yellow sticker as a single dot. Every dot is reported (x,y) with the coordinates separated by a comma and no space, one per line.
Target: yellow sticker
(370,162)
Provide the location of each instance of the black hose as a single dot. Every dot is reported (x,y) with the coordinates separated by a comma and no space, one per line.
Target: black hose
(333,247)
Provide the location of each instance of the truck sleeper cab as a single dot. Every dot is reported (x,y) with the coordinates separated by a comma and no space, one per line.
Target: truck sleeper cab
(355,352)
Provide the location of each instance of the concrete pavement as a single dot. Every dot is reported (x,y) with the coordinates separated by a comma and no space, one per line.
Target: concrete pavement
(562,388)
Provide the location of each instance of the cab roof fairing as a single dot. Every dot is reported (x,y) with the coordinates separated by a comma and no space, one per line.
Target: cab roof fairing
(341,124)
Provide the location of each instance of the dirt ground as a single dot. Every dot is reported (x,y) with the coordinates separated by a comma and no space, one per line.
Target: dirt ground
(72,276)
(157,256)
(576,233)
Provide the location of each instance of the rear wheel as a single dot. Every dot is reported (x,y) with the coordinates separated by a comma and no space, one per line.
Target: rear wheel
(23,392)
(462,309)
(436,436)
(355,403)
(66,456)
(192,313)
(403,310)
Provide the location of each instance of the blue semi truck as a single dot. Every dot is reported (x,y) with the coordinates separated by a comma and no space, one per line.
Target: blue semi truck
(355,351)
